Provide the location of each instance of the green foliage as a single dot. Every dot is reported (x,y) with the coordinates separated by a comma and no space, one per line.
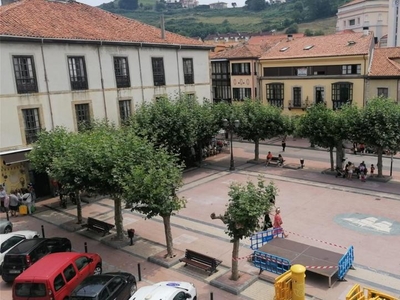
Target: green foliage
(128,4)
(247,204)
(308,32)
(256,5)
(294,28)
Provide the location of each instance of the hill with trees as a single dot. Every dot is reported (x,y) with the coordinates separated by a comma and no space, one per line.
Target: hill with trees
(313,17)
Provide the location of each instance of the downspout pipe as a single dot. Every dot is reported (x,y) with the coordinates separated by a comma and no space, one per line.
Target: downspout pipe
(102,81)
(140,71)
(46,80)
(179,73)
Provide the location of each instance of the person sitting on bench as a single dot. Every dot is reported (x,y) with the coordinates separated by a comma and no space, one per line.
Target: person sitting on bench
(280,160)
(269,157)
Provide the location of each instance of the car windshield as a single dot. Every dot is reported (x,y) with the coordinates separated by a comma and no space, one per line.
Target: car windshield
(30,290)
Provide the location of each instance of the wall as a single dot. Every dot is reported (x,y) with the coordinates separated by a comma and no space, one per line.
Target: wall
(393,86)
(394,25)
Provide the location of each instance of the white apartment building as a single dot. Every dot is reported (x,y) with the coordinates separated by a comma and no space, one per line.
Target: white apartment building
(393,39)
(358,15)
(64,63)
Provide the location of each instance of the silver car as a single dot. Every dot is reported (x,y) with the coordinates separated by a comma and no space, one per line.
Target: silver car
(5,226)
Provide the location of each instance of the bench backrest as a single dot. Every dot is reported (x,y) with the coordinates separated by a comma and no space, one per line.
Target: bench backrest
(92,221)
(200,257)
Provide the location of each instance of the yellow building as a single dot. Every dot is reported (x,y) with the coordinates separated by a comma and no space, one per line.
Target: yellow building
(384,75)
(299,72)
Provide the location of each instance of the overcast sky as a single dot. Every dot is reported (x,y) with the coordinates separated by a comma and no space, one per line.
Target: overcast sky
(98,2)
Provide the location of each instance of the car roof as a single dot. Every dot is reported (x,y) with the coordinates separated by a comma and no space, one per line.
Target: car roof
(92,285)
(25,246)
(22,233)
(50,264)
(154,292)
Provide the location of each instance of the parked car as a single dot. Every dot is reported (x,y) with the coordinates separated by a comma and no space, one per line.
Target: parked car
(107,286)
(166,290)
(5,226)
(30,251)
(56,275)
(10,240)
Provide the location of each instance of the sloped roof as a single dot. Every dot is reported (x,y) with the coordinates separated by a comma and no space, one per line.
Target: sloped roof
(70,20)
(385,62)
(239,51)
(342,44)
(352,3)
(271,39)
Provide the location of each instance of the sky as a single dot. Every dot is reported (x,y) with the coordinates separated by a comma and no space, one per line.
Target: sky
(98,2)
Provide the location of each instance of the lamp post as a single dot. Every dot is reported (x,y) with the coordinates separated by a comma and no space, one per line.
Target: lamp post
(230,126)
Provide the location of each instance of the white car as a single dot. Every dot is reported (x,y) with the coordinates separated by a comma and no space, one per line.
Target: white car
(5,226)
(166,290)
(10,240)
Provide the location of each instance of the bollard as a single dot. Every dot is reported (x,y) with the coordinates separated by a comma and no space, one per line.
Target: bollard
(298,282)
(85,247)
(43,236)
(139,272)
(211,296)
(8,217)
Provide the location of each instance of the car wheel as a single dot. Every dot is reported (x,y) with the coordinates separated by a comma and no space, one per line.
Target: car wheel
(133,289)
(36,237)
(8,229)
(98,270)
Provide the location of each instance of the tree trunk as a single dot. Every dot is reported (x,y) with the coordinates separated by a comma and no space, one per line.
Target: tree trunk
(235,261)
(118,218)
(339,155)
(379,164)
(256,149)
(78,207)
(201,154)
(331,158)
(168,235)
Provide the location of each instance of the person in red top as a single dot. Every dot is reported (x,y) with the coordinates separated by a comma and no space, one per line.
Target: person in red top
(278,223)
(269,157)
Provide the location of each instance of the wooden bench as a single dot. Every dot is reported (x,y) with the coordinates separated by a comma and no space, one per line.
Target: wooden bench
(274,161)
(99,226)
(200,261)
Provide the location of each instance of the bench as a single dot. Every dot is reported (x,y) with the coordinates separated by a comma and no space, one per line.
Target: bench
(274,161)
(200,261)
(99,226)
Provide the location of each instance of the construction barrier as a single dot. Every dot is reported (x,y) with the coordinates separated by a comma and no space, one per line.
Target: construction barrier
(356,293)
(260,238)
(271,263)
(359,293)
(345,263)
(283,286)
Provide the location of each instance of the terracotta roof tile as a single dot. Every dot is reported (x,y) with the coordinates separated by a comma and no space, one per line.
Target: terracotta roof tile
(271,39)
(385,62)
(71,20)
(341,44)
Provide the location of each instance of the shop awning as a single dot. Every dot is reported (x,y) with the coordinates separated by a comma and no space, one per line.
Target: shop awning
(14,158)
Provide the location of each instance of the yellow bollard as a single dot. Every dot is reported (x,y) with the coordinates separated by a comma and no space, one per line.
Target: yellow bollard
(298,282)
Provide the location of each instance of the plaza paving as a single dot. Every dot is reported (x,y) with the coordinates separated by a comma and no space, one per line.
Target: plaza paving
(317,209)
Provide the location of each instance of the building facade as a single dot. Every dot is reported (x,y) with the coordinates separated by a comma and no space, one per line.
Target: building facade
(67,64)
(394,24)
(360,14)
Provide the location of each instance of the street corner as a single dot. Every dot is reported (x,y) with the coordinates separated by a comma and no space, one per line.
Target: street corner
(369,224)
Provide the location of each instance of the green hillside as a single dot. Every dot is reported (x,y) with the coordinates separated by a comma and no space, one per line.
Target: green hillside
(201,21)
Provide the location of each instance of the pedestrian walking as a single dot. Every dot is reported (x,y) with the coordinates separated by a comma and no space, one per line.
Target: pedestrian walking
(372,169)
(278,223)
(283,145)
(14,203)
(3,196)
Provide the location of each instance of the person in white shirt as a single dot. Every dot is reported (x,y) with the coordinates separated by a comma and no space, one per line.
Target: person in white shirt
(3,196)
(27,200)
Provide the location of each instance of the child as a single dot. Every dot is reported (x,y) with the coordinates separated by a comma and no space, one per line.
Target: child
(372,169)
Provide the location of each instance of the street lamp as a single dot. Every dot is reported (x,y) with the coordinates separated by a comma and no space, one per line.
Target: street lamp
(228,125)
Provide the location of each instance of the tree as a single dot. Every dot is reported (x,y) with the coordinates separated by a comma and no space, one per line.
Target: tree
(294,28)
(247,204)
(308,32)
(255,5)
(378,126)
(128,4)
(259,122)
(152,185)
(325,128)
(234,4)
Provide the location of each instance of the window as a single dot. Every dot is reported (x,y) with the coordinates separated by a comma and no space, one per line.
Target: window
(319,94)
(125,111)
(191,96)
(351,69)
(115,284)
(241,93)
(81,262)
(158,71)
(221,82)
(352,22)
(32,124)
(25,75)
(82,116)
(342,93)
(383,92)
(77,73)
(180,296)
(122,72)
(297,97)
(104,294)
(69,273)
(28,290)
(188,70)
(275,94)
(58,282)
(241,69)
(11,242)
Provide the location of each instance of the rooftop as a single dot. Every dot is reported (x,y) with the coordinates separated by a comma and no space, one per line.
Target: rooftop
(385,62)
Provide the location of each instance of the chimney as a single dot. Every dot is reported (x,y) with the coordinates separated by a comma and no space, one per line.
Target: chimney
(162,27)
(376,40)
(289,37)
(365,30)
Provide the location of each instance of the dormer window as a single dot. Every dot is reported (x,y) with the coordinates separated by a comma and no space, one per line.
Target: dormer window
(350,43)
(283,49)
(308,47)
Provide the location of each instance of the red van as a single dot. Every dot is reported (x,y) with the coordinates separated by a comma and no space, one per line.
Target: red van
(55,276)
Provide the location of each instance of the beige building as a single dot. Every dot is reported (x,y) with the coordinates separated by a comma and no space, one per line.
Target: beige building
(393,39)
(359,15)
(384,74)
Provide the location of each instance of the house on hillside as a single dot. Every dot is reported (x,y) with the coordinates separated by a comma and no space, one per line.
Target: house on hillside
(64,63)
(384,74)
(189,3)
(296,73)
(218,5)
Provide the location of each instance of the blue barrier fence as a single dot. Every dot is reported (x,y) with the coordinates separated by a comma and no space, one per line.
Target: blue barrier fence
(260,238)
(271,263)
(345,263)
